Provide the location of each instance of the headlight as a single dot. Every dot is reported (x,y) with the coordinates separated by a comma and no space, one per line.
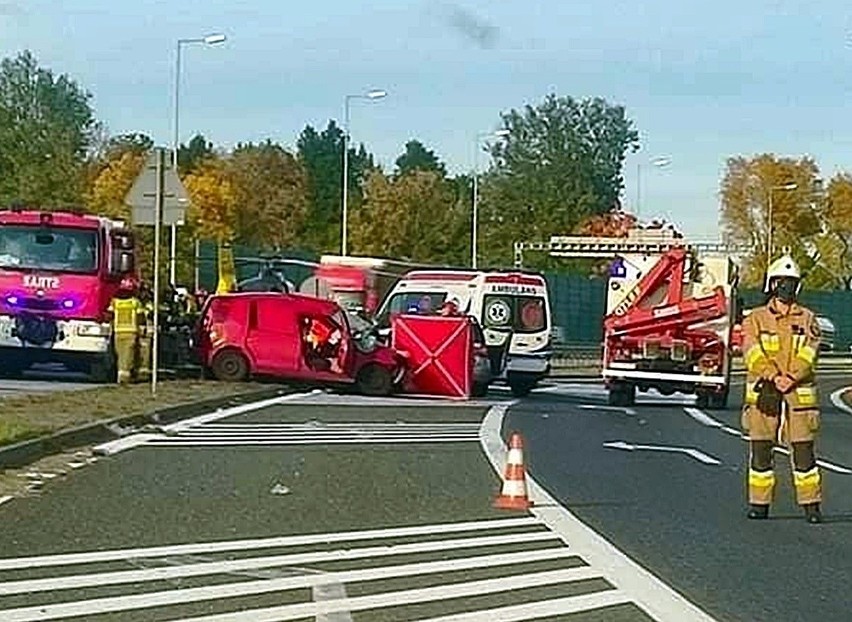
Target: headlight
(367,343)
(93,330)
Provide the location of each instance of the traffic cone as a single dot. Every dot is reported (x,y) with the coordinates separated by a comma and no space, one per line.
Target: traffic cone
(514,493)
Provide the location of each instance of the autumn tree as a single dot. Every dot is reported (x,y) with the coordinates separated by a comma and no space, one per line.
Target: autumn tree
(270,190)
(194,153)
(771,198)
(321,153)
(412,216)
(560,164)
(46,128)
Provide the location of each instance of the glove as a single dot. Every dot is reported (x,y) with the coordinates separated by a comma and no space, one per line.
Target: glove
(769,398)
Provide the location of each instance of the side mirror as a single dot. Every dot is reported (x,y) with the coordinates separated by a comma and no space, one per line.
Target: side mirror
(125,263)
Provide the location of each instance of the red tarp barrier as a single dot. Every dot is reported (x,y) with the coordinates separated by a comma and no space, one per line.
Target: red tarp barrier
(439,352)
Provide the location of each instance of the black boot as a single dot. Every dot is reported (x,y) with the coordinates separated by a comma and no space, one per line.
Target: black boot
(813,514)
(758,512)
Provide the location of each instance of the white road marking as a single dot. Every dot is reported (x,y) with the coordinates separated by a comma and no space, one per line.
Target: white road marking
(16,563)
(643,588)
(621,409)
(6,499)
(709,421)
(694,453)
(405,597)
(129,602)
(255,563)
(837,400)
(539,609)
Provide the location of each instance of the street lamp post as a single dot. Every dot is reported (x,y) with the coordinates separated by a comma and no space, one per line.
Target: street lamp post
(658,162)
(212,39)
(474,229)
(769,246)
(373,94)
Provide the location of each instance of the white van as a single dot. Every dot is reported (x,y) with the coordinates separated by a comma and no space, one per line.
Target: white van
(512,307)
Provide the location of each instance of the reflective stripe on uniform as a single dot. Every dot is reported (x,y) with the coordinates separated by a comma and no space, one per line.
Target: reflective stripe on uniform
(807,354)
(807,478)
(761,479)
(751,394)
(753,357)
(806,396)
(770,342)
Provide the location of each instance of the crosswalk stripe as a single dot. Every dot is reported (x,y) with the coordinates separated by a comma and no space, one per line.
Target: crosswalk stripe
(404,597)
(255,563)
(66,559)
(130,602)
(201,441)
(538,609)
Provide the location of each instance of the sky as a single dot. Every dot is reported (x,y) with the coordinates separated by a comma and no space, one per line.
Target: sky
(702,81)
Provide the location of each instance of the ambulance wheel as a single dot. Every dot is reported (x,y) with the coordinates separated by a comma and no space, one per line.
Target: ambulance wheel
(480,389)
(230,366)
(521,388)
(622,394)
(374,380)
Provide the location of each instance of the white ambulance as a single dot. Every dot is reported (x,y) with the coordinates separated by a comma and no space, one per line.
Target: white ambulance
(512,307)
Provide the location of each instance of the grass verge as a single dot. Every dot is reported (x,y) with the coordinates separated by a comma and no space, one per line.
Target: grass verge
(30,416)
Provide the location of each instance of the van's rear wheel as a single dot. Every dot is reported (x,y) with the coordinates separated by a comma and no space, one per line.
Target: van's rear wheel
(374,380)
(230,366)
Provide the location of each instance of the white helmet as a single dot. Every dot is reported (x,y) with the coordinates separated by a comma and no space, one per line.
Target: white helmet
(785,266)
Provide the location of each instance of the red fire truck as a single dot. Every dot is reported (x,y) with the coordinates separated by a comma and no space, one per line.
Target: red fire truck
(58,273)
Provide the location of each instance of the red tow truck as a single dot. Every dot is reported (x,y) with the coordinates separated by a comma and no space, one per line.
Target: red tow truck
(58,273)
(671,308)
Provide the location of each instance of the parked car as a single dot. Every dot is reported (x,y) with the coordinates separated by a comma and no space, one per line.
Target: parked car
(292,337)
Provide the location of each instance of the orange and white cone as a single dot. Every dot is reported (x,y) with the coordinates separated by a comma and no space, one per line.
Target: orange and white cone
(514,494)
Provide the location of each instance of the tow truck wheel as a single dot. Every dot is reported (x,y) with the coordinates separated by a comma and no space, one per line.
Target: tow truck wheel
(622,394)
(374,380)
(230,366)
(712,400)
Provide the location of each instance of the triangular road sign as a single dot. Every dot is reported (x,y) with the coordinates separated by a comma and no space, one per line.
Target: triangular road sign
(143,194)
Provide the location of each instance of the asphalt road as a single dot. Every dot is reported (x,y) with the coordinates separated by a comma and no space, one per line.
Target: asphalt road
(339,508)
(682,515)
(44,379)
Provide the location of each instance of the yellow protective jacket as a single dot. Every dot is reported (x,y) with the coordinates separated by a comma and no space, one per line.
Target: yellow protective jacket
(776,343)
(126,315)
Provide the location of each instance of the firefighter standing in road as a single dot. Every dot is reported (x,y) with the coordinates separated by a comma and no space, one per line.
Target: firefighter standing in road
(125,309)
(781,342)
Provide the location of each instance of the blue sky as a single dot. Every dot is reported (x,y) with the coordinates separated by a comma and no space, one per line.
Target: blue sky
(701,80)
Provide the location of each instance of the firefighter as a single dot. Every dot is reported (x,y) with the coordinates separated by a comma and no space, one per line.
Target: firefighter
(146,332)
(125,309)
(781,342)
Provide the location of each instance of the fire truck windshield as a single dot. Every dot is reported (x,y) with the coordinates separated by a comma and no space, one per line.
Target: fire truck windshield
(46,248)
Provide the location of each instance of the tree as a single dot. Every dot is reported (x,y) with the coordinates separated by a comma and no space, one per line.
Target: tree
(46,128)
(412,216)
(560,164)
(749,187)
(321,153)
(213,197)
(270,189)
(193,154)
(418,158)
(615,224)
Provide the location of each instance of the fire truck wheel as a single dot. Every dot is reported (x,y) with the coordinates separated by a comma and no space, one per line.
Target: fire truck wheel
(230,366)
(102,370)
(622,394)
(374,380)
(712,400)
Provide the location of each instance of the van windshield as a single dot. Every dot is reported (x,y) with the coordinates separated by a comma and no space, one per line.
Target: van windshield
(421,303)
(523,314)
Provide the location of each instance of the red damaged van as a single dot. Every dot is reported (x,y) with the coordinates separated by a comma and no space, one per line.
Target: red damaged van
(292,337)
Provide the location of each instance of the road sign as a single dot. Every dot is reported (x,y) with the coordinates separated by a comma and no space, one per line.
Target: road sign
(142,196)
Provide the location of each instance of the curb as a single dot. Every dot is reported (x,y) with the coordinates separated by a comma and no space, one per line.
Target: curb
(26,452)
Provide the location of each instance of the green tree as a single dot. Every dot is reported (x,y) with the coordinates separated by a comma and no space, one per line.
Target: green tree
(270,194)
(194,153)
(321,153)
(560,164)
(418,158)
(749,186)
(46,129)
(412,216)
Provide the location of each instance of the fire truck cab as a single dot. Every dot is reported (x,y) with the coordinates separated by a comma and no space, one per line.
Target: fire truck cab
(59,272)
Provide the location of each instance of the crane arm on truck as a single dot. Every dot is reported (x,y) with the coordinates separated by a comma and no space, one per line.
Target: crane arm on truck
(671,317)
